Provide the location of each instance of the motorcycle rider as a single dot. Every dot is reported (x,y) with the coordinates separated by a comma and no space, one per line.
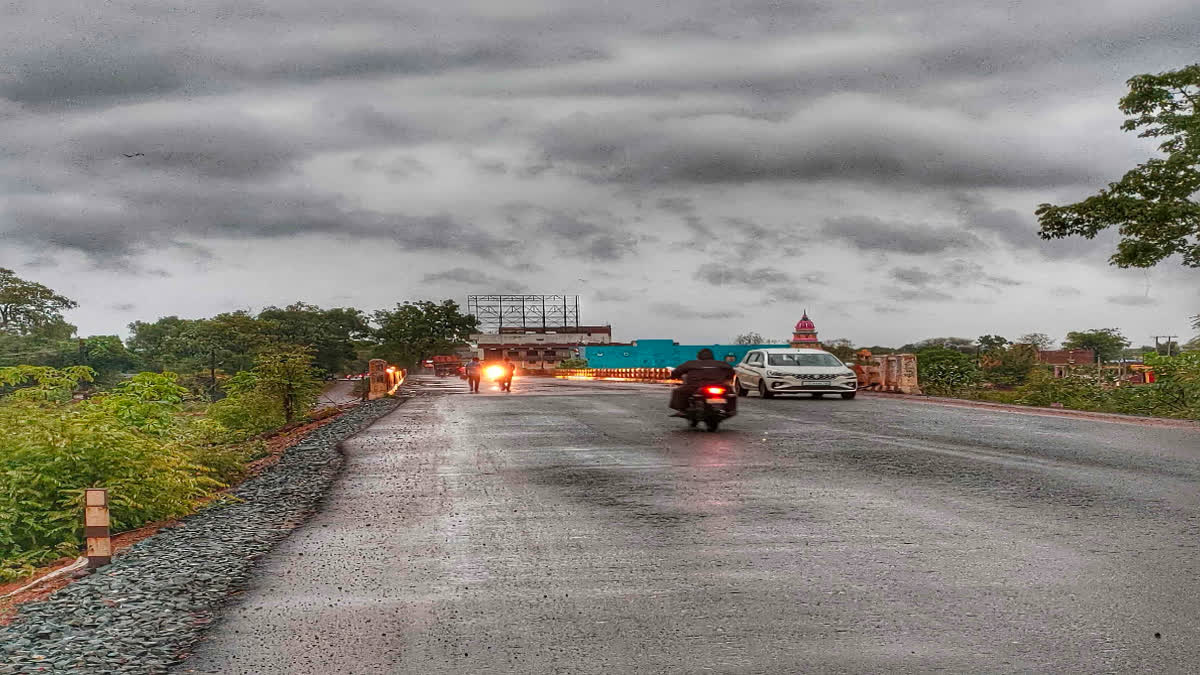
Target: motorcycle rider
(506,379)
(703,371)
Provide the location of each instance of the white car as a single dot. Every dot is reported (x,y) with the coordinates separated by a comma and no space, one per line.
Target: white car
(794,371)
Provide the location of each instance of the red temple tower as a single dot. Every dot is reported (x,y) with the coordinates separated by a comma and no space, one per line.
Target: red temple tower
(805,335)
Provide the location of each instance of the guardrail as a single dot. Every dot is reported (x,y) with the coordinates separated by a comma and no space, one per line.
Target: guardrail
(652,375)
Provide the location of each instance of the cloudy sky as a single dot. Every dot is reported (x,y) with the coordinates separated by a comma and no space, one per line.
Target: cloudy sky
(693,170)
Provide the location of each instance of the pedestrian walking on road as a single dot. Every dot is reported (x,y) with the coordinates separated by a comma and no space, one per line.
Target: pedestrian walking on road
(474,372)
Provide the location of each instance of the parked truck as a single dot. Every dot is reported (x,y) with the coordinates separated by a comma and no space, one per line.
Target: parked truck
(446,364)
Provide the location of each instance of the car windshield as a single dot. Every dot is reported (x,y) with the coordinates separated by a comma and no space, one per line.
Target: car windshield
(801,359)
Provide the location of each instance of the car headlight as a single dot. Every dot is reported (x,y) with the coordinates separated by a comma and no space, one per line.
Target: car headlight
(776,373)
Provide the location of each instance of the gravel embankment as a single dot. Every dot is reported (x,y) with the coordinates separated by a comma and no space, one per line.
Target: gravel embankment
(143,612)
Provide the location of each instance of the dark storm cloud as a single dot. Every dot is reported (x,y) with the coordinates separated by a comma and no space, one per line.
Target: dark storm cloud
(630,130)
(596,237)
(1019,230)
(230,147)
(180,211)
(477,279)
(868,233)
(718,274)
(72,73)
(931,283)
(675,310)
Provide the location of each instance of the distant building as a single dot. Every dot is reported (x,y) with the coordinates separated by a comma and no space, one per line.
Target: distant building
(658,354)
(539,348)
(1067,357)
(805,335)
(668,353)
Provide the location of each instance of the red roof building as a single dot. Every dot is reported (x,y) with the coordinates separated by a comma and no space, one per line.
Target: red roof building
(1067,357)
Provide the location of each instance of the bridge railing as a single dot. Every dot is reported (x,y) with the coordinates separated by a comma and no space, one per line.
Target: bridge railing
(654,375)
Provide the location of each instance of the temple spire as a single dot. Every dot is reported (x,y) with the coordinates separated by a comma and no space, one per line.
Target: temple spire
(805,334)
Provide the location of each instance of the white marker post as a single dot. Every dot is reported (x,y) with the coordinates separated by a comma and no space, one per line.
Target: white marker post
(95,527)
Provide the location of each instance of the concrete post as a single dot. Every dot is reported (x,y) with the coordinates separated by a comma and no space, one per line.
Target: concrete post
(378,376)
(95,527)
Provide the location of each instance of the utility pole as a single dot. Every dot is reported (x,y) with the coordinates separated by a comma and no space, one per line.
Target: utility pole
(1170,341)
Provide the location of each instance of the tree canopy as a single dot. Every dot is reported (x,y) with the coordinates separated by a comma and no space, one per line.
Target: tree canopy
(1107,343)
(26,306)
(418,330)
(1153,204)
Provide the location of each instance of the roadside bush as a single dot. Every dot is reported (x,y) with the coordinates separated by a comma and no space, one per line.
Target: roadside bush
(1079,390)
(49,453)
(281,387)
(946,372)
(572,364)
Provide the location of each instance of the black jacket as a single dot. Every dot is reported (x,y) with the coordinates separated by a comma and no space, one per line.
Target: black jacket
(703,372)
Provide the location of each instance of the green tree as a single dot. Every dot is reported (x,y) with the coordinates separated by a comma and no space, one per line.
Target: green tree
(958,344)
(1040,341)
(990,343)
(26,306)
(286,375)
(1153,204)
(1107,343)
(331,333)
(751,338)
(418,330)
(226,343)
(946,372)
(841,348)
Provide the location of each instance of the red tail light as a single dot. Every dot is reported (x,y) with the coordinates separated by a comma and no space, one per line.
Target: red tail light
(715,390)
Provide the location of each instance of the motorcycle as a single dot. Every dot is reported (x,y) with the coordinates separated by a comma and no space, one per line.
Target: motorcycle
(710,404)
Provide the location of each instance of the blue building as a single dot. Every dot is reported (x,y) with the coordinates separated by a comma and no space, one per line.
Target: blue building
(658,353)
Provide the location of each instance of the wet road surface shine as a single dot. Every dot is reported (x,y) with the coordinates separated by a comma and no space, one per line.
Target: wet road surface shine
(574,528)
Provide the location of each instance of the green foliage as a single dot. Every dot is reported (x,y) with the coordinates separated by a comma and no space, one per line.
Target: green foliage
(50,452)
(1039,341)
(1009,365)
(964,345)
(841,348)
(1107,343)
(148,402)
(1152,204)
(946,372)
(42,383)
(1175,394)
(1081,389)
(1178,382)
(573,364)
(26,306)
(418,330)
(990,343)
(329,333)
(281,387)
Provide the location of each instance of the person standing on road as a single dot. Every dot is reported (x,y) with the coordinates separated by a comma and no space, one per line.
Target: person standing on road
(474,372)
(510,369)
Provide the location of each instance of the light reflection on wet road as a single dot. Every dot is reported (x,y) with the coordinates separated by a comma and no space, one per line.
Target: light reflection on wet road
(575,528)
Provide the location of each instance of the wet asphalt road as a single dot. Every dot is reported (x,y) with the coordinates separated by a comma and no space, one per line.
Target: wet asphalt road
(575,529)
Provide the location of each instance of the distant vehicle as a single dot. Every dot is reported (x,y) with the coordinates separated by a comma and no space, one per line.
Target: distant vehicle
(794,371)
(446,364)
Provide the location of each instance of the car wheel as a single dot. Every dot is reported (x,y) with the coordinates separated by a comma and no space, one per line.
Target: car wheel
(737,386)
(763,392)
(849,394)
